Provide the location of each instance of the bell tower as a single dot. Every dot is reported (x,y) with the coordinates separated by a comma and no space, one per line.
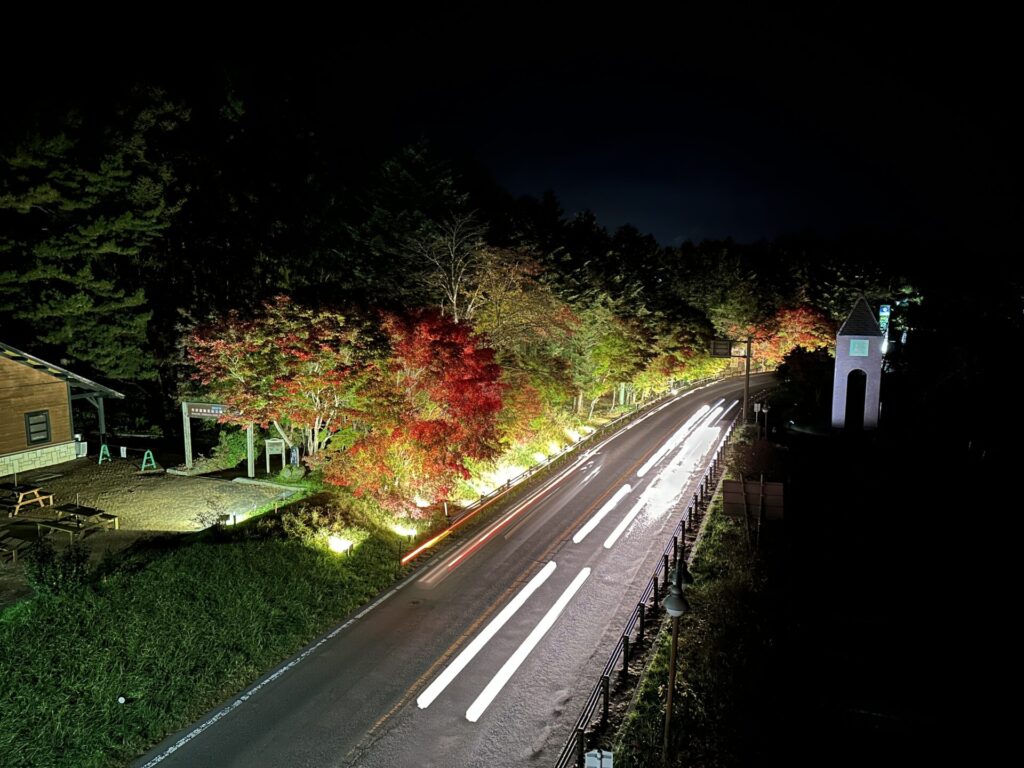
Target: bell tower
(858,370)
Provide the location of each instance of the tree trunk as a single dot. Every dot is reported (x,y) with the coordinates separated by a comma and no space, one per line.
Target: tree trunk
(281,432)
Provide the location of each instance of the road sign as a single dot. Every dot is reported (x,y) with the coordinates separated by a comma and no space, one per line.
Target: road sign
(206,410)
(883,319)
(721,348)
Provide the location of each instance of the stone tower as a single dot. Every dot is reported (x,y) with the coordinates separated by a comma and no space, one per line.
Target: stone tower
(858,370)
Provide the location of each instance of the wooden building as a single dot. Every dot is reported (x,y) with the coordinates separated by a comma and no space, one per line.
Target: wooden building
(36,424)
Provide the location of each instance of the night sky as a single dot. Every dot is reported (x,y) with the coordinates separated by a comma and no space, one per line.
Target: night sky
(688,124)
(693,128)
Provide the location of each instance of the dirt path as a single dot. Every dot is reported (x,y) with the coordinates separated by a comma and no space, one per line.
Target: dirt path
(152,502)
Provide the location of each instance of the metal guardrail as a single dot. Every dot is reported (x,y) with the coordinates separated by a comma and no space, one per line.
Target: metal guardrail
(604,430)
(600,432)
(575,747)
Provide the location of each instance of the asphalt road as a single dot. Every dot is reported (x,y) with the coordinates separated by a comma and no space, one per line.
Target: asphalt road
(518,618)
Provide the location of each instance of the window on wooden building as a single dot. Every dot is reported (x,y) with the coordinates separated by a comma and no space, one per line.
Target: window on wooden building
(37,427)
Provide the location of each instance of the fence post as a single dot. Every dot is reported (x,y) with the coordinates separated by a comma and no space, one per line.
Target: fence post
(656,601)
(625,654)
(675,549)
(606,690)
(664,572)
(643,617)
(581,747)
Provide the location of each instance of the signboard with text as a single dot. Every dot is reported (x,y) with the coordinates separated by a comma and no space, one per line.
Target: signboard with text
(721,348)
(206,410)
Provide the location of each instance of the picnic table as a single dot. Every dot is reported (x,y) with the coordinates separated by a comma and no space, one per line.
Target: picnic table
(76,520)
(85,516)
(14,497)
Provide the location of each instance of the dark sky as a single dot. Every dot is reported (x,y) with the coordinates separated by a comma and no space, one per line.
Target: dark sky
(691,127)
(688,124)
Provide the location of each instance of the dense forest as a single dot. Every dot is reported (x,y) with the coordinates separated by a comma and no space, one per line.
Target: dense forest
(392,311)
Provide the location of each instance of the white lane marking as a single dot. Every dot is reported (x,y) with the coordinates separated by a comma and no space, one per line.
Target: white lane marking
(494,687)
(732,405)
(609,505)
(589,477)
(265,681)
(673,441)
(450,672)
(666,488)
(624,523)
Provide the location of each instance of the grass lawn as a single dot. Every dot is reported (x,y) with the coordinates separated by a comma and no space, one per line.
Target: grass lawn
(176,630)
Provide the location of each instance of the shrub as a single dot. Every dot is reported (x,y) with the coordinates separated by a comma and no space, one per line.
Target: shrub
(56,573)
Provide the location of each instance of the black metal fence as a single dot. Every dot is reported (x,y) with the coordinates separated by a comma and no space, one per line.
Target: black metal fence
(576,746)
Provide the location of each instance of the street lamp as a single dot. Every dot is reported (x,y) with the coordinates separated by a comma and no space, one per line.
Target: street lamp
(675,606)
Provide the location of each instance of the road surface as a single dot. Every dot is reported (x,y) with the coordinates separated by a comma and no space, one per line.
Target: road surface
(485,657)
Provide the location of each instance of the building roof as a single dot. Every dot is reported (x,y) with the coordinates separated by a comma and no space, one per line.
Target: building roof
(861,322)
(79,382)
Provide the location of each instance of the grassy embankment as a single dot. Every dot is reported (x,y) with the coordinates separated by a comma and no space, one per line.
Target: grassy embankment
(175,628)
(723,647)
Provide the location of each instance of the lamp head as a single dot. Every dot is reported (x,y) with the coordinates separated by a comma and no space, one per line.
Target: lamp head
(675,604)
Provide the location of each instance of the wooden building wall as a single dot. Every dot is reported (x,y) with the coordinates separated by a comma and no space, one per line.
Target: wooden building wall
(23,390)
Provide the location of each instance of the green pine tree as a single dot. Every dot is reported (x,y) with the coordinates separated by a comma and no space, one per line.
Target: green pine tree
(81,209)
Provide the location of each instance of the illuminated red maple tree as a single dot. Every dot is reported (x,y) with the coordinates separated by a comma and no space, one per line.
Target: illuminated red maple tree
(433,404)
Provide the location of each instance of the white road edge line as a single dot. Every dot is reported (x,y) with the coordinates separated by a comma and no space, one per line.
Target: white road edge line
(450,672)
(609,505)
(265,681)
(494,687)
